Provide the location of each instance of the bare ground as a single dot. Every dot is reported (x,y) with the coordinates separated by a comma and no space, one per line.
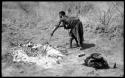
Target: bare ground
(72,64)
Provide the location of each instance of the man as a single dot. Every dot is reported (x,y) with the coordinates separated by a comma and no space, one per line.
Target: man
(74,25)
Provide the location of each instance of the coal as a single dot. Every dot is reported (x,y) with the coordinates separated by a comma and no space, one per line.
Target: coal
(81,55)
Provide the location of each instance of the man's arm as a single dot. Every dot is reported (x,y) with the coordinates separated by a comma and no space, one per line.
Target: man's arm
(54,30)
(60,24)
(56,27)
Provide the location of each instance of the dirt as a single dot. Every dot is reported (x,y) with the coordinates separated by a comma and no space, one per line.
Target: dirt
(72,65)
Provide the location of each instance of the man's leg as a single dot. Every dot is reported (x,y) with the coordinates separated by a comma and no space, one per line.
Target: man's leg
(76,41)
(71,39)
(81,34)
(73,36)
(81,41)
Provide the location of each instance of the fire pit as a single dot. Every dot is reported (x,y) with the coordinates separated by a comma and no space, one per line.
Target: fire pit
(41,55)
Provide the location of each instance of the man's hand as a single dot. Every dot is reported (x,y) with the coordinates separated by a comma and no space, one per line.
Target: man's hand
(56,27)
(51,34)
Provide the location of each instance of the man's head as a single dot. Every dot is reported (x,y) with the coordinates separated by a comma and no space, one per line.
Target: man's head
(61,14)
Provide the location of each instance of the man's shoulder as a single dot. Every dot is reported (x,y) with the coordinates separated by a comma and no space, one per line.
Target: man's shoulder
(73,18)
(69,18)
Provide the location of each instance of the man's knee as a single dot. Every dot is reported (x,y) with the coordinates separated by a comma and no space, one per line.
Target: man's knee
(71,39)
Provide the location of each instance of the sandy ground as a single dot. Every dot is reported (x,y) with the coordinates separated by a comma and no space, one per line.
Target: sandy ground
(72,64)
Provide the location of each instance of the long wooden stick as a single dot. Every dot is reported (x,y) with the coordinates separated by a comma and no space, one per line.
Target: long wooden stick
(44,52)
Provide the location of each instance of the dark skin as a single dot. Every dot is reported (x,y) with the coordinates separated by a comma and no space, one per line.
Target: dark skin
(59,25)
(71,39)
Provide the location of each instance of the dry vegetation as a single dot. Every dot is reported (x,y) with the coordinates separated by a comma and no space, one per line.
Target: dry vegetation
(33,21)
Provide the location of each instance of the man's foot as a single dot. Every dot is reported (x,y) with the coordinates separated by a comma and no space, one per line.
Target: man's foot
(77,45)
(81,48)
(70,47)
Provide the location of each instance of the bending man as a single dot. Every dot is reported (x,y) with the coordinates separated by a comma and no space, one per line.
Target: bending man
(74,25)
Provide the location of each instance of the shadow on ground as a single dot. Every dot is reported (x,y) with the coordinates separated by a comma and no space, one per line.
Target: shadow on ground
(86,46)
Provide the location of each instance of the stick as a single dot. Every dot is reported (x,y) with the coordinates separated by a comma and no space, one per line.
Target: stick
(44,53)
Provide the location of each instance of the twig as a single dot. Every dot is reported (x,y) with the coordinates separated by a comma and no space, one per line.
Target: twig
(44,52)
